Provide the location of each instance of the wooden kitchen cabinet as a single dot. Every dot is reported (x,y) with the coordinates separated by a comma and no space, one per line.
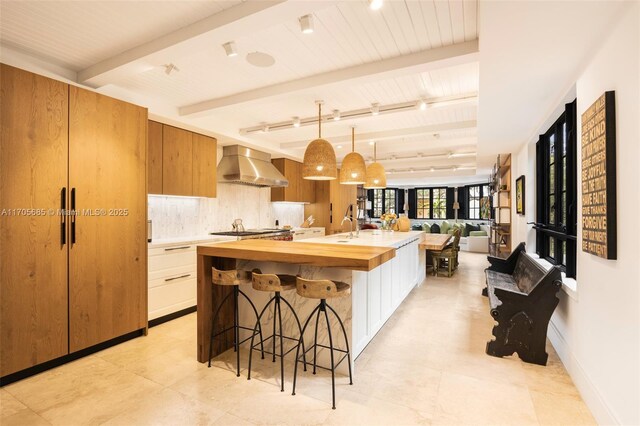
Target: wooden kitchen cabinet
(299,190)
(154,158)
(108,257)
(331,203)
(181,162)
(33,175)
(69,282)
(205,162)
(177,161)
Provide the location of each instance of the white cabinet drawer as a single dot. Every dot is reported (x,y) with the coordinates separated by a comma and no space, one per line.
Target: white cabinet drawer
(172,260)
(178,248)
(172,297)
(165,276)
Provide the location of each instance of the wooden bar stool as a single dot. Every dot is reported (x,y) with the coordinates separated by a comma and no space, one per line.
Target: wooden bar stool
(323,290)
(276,284)
(232,278)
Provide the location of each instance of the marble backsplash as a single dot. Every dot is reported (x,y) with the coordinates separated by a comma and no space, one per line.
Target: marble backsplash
(190,216)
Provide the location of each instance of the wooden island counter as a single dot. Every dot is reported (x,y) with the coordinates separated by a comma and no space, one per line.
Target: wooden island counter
(368,264)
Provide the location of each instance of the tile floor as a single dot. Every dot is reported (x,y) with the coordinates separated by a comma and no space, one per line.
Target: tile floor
(426,366)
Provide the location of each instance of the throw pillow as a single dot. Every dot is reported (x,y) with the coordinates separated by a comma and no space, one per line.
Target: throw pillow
(470,227)
(435,228)
(426,228)
(463,230)
(478,234)
(444,228)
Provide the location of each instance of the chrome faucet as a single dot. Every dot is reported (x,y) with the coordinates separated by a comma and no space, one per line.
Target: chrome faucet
(354,209)
(350,225)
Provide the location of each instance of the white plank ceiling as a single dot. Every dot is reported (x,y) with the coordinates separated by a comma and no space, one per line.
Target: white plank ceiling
(79,34)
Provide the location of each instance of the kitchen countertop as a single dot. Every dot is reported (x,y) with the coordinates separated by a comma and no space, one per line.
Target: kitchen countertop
(348,256)
(166,242)
(369,238)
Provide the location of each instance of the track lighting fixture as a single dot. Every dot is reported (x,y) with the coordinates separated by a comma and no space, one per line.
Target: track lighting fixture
(296,121)
(375,109)
(230,49)
(306,24)
(422,104)
(336,115)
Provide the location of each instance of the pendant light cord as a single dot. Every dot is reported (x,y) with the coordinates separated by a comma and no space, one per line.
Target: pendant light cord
(319,121)
(375,152)
(353,139)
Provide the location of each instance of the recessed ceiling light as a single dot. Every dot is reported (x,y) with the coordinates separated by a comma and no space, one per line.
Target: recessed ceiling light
(375,108)
(375,4)
(230,49)
(372,143)
(296,121)
(306,24)
(339,146)
(336,115)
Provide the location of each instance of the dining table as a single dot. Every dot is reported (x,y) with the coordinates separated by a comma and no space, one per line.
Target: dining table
(433,243)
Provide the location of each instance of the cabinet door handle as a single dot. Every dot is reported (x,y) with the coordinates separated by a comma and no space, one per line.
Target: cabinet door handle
(63,213)
(177,278)
(73,215)
(177,248)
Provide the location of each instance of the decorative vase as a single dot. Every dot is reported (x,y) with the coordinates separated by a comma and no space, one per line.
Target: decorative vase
(404,224)
(387,225)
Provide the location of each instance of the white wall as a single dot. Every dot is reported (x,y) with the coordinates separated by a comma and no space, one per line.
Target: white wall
(596,330)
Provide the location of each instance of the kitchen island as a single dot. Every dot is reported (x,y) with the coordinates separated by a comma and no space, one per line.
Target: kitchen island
(382,268)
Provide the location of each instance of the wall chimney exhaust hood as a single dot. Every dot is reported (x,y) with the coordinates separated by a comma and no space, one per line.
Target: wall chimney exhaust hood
(248,166)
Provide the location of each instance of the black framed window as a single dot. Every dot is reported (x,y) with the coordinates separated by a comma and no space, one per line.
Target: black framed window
(439,203)
(423,203)
(377,202)
(556,192)
(477,198)
(383,201)
(390,201)
(430,203)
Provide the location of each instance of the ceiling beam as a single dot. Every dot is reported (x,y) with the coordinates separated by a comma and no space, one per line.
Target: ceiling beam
(237,21)
(392,134)
(424,60)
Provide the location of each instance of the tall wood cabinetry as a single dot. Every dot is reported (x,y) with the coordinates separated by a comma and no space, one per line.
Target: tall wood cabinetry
(33,258)
(299,190)
(181,162)
(68,281)
(333,201)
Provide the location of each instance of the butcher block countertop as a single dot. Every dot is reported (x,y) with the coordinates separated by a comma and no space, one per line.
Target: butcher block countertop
(360,258)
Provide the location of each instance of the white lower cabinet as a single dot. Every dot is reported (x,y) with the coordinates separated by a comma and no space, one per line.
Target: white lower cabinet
(172,279)
(304,233)
(173,276)
(378,293)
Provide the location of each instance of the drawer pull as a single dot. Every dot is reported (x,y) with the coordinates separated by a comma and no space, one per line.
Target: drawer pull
(177,248)
(177,278)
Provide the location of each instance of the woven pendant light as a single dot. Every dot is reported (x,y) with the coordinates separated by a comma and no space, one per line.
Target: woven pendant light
(319,158)
(376,176)
(353,170)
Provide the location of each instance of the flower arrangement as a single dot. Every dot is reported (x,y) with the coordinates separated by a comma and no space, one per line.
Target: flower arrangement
(387,220)
(389,216)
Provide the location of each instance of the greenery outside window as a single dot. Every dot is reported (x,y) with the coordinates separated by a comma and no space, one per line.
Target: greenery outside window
(476,194)
(431,203)
(384,201)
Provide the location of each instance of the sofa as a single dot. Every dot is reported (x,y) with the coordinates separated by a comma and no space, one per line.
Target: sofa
(472,243)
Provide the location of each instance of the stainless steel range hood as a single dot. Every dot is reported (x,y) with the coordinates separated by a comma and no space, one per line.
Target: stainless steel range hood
(248,166)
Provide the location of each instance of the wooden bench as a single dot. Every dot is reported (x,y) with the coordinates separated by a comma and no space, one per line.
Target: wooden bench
(522,296)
